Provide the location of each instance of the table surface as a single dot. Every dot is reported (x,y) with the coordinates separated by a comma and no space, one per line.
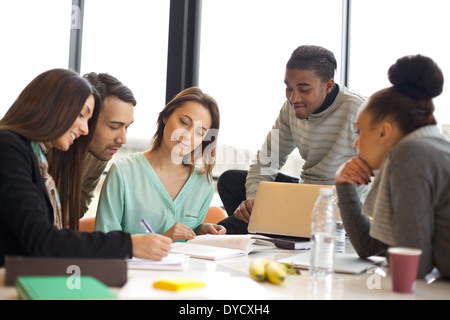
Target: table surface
(229,279)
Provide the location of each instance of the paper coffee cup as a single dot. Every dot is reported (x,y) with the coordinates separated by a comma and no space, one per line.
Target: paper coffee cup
(404,264)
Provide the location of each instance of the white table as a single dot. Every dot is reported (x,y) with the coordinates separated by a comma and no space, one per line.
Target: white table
(233,282)
(229,279)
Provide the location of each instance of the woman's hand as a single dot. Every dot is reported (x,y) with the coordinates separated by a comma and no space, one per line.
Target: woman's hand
(354,171)
(180,231)
(150,246)
(209,228)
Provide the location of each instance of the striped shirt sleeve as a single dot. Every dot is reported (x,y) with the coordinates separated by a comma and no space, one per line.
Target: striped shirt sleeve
(324,140)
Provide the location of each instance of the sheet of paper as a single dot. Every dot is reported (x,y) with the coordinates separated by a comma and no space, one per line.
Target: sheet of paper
(205,252)
(173,261)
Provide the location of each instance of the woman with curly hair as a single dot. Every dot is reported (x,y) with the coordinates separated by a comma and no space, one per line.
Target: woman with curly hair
(409,200)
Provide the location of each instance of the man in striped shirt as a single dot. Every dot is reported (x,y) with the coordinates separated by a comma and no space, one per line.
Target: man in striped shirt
(318,118)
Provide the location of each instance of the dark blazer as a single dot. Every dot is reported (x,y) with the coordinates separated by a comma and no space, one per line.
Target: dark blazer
(26,214)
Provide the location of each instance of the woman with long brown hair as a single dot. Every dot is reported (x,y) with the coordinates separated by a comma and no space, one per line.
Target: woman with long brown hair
(55,110)
(170,186)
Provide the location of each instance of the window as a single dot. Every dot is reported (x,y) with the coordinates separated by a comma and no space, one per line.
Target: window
(243,53)
(35,37)
(383,31)
(128,39)
(244,48)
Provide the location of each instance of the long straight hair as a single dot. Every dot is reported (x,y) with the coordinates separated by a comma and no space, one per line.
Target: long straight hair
(67,167)
(44,111)
(207,149)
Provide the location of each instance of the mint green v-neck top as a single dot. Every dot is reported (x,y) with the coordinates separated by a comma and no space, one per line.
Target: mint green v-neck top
(133,191)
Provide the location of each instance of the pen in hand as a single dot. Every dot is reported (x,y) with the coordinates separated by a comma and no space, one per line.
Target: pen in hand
(146,226)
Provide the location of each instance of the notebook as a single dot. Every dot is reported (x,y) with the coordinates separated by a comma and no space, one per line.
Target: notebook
(216,247)
(62,288)
(200,251)
(343,262)
(173,261)
(284,209)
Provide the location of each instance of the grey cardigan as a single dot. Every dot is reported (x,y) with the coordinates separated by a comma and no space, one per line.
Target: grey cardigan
(418,196)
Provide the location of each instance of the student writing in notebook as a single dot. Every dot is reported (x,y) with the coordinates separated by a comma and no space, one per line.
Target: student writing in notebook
(410,196)
(55,109)
(170,186)
(317,118)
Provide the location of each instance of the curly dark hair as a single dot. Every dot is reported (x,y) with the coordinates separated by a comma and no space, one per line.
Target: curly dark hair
(416,80)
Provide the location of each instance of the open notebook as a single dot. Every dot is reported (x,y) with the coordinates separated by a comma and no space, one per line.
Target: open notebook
(216,247)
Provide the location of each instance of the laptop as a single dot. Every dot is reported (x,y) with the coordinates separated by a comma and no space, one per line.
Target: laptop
(284,209)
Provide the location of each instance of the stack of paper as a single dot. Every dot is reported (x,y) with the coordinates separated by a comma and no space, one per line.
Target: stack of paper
(174,261)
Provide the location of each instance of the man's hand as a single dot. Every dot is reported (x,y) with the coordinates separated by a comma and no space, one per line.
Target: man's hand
(244,210)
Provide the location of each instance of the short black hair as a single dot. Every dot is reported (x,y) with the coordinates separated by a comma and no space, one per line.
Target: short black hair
(316,58)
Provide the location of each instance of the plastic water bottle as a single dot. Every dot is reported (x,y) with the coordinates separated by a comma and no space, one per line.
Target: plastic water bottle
(339,243)
(323,228)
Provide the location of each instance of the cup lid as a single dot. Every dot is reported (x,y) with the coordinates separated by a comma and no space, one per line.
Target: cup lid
(404,250)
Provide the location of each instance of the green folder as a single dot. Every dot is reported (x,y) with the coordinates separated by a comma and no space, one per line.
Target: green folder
(62,288)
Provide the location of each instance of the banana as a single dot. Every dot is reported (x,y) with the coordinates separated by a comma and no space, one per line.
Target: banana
(258,269)
(276,272)
(262,269)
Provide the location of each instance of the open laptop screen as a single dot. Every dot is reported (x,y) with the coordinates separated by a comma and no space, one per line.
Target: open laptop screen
(284,209)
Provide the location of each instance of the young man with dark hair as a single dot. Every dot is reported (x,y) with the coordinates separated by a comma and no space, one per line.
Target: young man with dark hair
(317,118)
(116,115)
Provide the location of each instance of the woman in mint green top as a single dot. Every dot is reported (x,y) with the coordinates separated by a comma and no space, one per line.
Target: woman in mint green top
(133,191)
(170,185)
